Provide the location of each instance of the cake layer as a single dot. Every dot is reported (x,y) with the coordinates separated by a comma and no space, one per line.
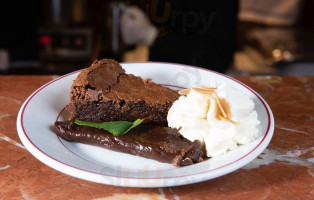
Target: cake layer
(104,92)
(163,144)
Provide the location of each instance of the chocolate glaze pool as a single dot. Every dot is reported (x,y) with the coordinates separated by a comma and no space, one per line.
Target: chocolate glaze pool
(163,144)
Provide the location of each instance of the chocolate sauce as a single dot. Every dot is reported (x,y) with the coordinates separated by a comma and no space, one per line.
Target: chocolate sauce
(163,144)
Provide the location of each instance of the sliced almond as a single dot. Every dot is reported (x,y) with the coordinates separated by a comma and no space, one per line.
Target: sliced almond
(205,88)
(200,89)
(204,91)
(221,108)
(185,91)
(225,114)
(222,118)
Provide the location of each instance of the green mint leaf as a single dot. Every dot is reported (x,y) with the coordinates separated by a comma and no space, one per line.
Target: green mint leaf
(117,128)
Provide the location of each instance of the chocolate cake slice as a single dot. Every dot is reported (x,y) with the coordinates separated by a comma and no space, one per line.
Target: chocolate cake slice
(163,144)
(104,92)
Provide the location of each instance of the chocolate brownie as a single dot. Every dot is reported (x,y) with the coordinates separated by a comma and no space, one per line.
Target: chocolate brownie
(163,144)
(104,92)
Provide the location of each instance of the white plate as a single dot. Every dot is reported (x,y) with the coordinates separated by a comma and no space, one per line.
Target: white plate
(40,111)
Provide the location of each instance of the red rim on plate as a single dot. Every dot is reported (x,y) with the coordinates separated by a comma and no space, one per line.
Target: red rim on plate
(180,176)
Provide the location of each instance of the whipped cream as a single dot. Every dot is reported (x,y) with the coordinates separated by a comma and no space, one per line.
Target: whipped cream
(221,118)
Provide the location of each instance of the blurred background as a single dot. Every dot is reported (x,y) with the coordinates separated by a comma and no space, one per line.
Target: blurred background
(235,37)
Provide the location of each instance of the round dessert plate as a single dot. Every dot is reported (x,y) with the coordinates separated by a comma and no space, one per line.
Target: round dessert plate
(46,105)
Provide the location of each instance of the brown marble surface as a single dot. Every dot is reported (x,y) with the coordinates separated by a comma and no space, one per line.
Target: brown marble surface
(283,171)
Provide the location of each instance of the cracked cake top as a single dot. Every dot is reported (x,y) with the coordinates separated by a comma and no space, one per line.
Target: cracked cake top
(107,80)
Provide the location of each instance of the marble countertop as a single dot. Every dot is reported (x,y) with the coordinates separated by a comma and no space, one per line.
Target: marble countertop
(284,170)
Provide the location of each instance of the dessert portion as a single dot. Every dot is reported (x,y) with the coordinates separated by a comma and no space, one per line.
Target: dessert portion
(163,144)
(104,92)
(220,117)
